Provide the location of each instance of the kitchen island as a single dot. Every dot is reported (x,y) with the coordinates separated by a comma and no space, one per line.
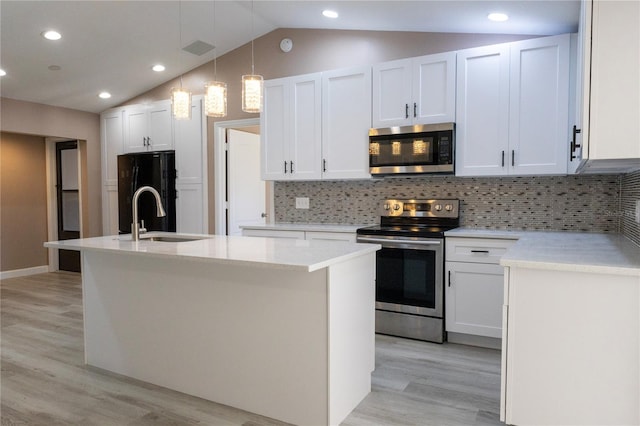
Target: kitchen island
(281,328)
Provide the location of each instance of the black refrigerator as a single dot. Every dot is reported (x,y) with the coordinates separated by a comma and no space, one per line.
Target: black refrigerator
(155,169)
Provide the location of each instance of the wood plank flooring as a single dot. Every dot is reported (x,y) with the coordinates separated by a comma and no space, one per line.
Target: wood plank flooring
(44,380)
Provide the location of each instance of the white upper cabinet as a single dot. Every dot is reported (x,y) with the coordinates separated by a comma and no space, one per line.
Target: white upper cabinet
(290,127)
(482,111)
(609,85)
(148,127)
(539,106)
(346,120)
(112,144)
(414,91)
(512,108)
(190,146)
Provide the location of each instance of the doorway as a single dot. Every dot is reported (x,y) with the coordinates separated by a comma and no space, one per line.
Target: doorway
(68,202)
(246,191)
(238,202)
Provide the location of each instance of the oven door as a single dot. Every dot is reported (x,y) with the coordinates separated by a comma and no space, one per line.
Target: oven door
(409,275)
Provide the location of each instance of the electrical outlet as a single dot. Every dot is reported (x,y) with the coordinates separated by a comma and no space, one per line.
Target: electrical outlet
(302,202)
(637,211)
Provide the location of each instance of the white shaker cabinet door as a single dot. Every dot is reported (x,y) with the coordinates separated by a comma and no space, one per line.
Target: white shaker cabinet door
(305,146)
(160,127)
(190,209)
(434,89)
(539,106)
(392,93)
(346,120)
(112,144)
(190,146)
(136,129)
(474,298)
(274,130)
(614,124)
(482,111)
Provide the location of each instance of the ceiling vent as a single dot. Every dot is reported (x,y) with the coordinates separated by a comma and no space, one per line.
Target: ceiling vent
(198,48)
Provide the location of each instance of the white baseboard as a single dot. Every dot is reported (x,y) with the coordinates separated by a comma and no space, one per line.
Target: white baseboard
(24,272)
(472,340)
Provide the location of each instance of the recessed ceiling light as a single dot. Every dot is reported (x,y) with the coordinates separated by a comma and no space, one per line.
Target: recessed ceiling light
(52,35)
(104,95)
(330,13)
(498,17)
(2,72)
(54,67)
(158,68)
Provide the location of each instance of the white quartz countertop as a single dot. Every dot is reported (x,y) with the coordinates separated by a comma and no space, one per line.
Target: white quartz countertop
(244,251)
(567,251)
(306,227)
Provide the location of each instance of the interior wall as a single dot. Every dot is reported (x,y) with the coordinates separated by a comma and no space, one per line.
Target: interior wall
(313,51)
(29,118)
(23,202)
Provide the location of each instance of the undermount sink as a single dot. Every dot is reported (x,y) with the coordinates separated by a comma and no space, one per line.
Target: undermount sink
(170,239)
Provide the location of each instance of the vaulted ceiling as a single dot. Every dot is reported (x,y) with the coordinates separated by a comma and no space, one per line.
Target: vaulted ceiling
(111,45)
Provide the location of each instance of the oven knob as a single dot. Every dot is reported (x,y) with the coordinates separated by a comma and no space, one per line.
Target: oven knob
(387,206)
(396,207)
(438,207)
(448,207)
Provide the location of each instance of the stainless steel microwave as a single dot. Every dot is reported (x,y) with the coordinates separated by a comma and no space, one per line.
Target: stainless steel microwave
(412,149)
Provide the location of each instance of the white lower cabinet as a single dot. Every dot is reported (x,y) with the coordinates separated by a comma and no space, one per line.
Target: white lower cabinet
(191,209)
(570,347)
(474,298)
(474,286)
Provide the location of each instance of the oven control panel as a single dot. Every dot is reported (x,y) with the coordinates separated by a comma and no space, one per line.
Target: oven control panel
(421,208)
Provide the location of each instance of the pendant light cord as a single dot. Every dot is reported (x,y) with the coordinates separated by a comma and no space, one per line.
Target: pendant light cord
(252,36)
(215,56)
(180,35)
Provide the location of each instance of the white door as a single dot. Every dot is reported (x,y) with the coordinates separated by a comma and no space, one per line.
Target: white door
(246,194)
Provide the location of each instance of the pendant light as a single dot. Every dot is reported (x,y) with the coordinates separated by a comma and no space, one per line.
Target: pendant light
(215,92)
(180,98)
(252,84)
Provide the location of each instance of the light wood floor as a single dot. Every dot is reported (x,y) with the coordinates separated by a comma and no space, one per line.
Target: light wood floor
(44,380)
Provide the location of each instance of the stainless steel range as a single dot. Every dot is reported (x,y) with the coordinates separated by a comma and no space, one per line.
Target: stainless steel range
(410,266)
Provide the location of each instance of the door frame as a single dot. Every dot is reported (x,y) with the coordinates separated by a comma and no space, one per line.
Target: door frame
(52,196)
(220,172)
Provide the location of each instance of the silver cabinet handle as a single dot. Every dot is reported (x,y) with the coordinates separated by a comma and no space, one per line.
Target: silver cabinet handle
(398,240)
(513,157)
(415,108)
(263,215)
(406,110)
(324,165)
(502,158)
(480,251)
(291,168)
(285,167)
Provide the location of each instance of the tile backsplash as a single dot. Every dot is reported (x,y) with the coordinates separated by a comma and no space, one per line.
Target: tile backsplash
(572,203)
(629,196)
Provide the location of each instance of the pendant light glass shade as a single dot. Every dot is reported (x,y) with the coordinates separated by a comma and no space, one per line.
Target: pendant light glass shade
(252,93)
(215,98)
(181,103)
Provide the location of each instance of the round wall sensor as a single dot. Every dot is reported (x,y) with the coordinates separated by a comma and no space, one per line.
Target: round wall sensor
(286,45)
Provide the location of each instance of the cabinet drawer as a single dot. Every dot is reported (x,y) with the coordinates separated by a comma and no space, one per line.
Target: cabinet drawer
(476,250)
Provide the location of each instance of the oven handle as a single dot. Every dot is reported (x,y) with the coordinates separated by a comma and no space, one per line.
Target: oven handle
(398,241)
